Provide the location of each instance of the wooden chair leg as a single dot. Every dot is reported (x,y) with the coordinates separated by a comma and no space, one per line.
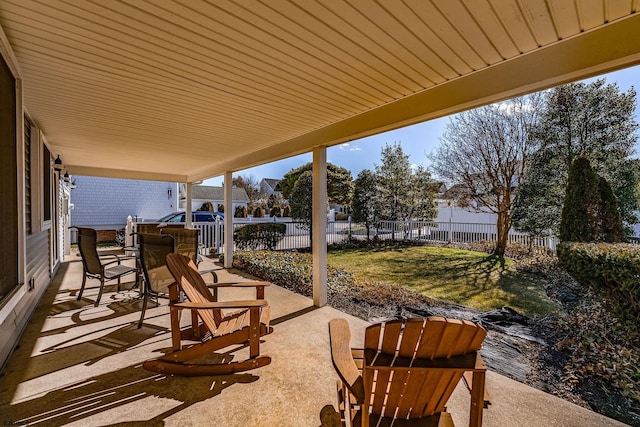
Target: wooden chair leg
(477,399)
(254,332)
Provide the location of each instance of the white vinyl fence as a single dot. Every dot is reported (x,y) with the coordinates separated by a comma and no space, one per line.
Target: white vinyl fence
(297,235)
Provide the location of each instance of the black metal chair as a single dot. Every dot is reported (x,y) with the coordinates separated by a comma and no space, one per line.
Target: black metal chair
(152,257)
(97,266)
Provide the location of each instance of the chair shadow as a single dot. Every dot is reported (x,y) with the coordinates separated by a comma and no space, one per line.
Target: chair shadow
(130,393)
(329,417)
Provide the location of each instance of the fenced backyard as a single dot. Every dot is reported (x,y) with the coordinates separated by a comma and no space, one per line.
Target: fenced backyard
(297,236)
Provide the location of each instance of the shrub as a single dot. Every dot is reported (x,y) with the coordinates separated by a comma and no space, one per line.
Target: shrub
(287,211)
(256,236)
(341,216)
(258,213)
(241,212)
(612,269)
(276,211)
(206,206)
(220,208)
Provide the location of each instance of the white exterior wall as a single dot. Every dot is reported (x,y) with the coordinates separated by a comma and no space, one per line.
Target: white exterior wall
(105,203)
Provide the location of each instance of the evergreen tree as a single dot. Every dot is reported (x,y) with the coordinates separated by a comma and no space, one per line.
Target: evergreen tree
(610,222)
(364,199)
(339,183)
(595,121)
(580,214)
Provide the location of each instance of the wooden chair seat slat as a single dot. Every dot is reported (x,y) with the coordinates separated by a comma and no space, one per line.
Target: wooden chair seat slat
(408,370)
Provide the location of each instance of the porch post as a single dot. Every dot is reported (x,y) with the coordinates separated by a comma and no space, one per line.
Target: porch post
(187,207)
(228,219)
(319,226)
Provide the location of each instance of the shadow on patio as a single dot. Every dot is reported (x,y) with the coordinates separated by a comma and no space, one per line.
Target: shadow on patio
(81,365)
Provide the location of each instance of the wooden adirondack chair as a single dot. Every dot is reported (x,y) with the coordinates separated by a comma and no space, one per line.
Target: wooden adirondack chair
(216,330)
(407,371)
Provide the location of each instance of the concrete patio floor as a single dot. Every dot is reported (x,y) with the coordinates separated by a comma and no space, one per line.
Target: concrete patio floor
(81,365)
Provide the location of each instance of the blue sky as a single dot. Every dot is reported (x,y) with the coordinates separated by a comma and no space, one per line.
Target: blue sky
(417,141)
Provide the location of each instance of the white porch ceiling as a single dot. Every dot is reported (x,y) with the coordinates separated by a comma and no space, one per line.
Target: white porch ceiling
(188,89)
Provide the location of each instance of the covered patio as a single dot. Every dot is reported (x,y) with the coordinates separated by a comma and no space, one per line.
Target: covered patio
(186,90)
(81,365)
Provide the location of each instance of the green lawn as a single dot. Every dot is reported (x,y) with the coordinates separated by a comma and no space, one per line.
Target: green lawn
(468,278)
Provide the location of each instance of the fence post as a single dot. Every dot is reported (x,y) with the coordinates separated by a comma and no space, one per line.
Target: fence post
(128,231)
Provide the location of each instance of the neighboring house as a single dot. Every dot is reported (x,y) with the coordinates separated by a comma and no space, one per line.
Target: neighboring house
(201,194)
(271,186)
(455,205)
(105,203)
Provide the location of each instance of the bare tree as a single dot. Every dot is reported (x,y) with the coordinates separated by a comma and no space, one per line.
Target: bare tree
(486,151)
(251,186)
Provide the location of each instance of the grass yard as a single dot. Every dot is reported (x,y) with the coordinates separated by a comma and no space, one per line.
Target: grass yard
(468,278)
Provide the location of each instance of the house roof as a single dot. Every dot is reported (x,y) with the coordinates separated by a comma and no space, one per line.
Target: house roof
(211,193)
(273,183)
(179,91)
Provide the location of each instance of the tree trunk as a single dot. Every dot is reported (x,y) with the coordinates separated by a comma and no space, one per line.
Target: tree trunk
(504,225)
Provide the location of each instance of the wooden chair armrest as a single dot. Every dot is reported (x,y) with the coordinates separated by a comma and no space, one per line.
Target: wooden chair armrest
(222,305)
(340,337)
(213,273)
(251,284)
(259,286)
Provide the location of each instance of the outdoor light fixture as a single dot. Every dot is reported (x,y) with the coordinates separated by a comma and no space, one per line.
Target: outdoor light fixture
(73,185)
(169,193)
(57,163)
(66,177)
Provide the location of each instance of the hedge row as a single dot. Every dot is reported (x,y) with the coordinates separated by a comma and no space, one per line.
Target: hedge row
(613,269)
(259,236)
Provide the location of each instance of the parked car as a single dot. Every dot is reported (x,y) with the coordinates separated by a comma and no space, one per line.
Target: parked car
(198,216)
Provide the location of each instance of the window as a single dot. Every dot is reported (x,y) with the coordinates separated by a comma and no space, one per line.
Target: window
(27,174)
(8,183)
(46,183)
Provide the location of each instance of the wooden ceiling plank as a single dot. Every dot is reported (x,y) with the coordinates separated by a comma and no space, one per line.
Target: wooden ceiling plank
(439,24)
(468,28)
(591,13)
(539,21)
(354,39)
(514,23)
(152,48)
(565,17)
(492,27)
(305,62)
(224,39)
(429,38)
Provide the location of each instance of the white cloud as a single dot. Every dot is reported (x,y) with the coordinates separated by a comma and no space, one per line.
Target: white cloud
(347,147)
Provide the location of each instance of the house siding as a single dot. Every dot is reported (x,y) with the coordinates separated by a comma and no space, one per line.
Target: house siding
(24,301)
(105,203)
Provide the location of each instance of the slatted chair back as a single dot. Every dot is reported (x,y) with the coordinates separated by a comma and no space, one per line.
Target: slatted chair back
(395,351)
(186,274)
(87,240)
(186,241)
(154,249)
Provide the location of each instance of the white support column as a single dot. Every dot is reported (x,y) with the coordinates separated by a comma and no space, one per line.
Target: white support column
(187,207)
(228,219)
(319,226)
